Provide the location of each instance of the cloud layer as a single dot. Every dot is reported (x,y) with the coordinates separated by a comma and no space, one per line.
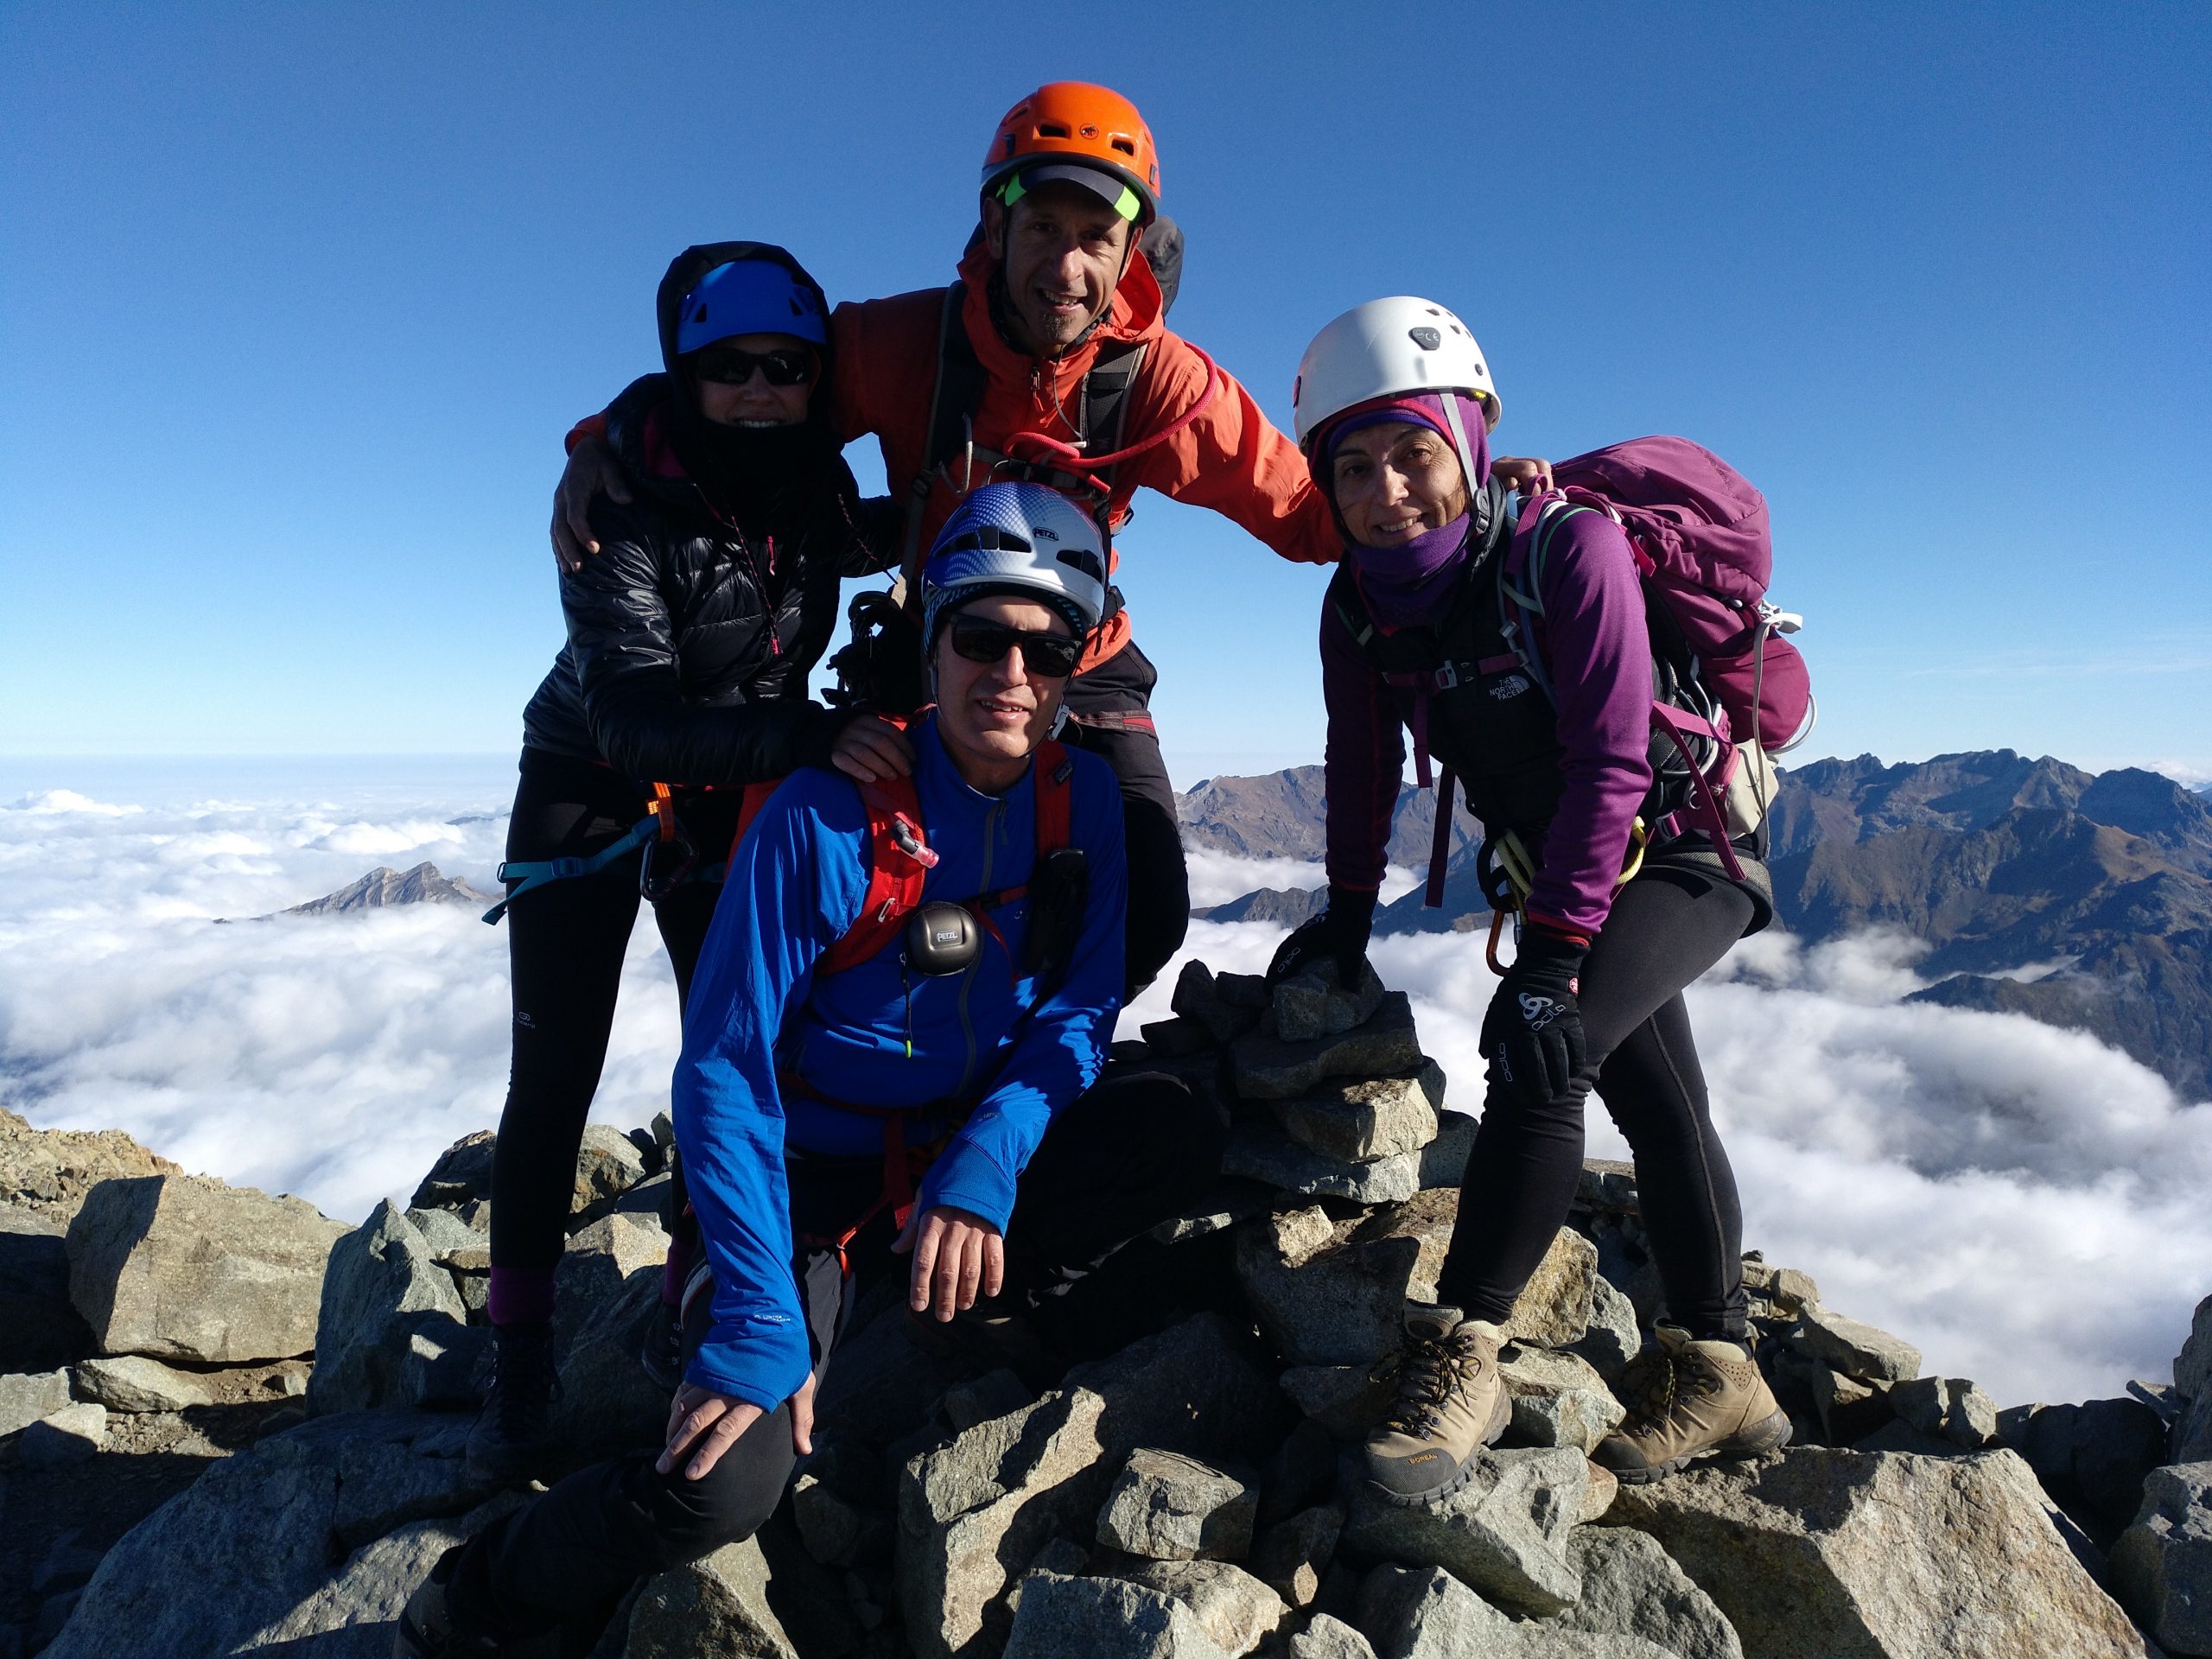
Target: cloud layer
(2024,1203)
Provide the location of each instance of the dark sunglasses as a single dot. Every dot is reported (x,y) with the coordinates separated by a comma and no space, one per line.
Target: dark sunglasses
(727,367)
(1052,655)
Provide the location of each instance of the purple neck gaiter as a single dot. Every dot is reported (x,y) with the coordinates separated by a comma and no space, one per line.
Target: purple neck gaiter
(1406,584)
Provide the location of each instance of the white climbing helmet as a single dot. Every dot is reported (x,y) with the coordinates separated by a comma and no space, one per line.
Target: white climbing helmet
(1390,348)
(1017,538)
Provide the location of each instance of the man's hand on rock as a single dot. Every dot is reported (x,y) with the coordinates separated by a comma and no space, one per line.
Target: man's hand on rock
(704,1424)
(591,470)
(956,1254)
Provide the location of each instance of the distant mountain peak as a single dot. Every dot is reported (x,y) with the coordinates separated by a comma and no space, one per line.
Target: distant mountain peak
(1994,859)
(383,887)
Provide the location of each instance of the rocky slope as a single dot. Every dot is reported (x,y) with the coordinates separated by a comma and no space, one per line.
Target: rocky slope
(243,1432)
(2079,899)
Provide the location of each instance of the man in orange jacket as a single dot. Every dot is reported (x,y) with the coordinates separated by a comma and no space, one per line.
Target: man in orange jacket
(1055,298)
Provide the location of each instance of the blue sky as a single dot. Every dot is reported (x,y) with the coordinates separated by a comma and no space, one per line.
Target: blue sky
(296,303)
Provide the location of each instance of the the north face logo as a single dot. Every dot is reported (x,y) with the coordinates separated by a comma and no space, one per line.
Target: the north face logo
(1512,686)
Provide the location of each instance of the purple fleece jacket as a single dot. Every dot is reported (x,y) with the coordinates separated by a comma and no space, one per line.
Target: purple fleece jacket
(1592,642)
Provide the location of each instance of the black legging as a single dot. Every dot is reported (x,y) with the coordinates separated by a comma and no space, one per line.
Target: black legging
(1117,1162)
(1667,927)
(565,945)
(1110,710)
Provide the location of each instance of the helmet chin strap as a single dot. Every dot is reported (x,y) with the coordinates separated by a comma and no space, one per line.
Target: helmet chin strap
(1451,401)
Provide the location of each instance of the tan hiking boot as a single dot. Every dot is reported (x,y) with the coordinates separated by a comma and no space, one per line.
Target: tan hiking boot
(1451,1402)
(1686,1398)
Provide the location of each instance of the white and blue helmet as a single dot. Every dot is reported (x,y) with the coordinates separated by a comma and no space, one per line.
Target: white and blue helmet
(1022,539)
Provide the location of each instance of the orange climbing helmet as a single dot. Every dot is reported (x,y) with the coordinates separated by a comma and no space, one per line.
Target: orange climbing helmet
(1088,135)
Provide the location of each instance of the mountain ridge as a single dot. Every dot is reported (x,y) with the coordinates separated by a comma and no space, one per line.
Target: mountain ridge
(1999,861)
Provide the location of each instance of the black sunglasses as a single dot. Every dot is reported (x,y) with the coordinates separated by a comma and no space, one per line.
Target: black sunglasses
(725,366)
(1051,655)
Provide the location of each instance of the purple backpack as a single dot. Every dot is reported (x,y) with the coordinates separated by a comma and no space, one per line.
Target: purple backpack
(1699,530)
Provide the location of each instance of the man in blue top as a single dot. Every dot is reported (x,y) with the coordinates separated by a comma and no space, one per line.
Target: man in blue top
(838,1047)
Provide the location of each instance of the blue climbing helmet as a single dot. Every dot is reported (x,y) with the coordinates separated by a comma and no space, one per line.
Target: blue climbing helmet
(1016,538)
(749,296)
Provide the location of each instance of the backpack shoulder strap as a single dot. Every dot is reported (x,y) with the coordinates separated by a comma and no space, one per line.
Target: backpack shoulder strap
(1552,511)
(961,382)
(1055,768)
(1351,606)
(899,860)
(958,393)
(1106,391)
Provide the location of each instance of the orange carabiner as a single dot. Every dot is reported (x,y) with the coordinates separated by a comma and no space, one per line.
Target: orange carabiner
(1489,951)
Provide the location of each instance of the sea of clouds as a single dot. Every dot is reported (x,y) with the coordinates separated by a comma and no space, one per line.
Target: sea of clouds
(2024,1204)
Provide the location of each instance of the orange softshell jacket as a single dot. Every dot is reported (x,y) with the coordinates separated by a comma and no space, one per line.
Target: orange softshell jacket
(1230,458)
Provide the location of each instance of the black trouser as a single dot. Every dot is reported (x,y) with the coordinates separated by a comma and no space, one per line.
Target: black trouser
(565,945)
(1667,927)
(1109,710)
(1118,1160)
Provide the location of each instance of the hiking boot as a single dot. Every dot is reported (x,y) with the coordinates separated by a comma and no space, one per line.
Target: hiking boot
(427,1630)
(1685,1399)
(1451,1402)
(514,1430)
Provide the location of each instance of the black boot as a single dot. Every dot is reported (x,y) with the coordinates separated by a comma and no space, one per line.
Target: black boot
(431,1625)
(515,1429)
(427,1628)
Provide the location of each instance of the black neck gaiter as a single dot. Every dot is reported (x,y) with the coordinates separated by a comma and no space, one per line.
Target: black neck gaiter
(759,478)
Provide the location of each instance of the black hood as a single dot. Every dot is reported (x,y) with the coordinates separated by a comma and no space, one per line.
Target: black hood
(748,475)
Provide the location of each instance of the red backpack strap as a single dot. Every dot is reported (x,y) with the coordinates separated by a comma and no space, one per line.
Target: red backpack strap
(1054,771)
(899,860)
(748,808)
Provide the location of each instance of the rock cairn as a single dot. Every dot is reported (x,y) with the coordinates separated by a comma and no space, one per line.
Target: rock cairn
(279,1404)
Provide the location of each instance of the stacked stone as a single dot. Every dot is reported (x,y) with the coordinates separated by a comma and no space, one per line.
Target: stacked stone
(1197,1495)
(154,1323)
(2161,1561)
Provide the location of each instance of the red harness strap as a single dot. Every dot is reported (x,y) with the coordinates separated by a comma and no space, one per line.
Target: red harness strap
(899,860)
(903,1166)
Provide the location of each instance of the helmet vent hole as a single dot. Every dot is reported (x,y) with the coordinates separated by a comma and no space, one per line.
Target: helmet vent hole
(1051,129)
(1124,146)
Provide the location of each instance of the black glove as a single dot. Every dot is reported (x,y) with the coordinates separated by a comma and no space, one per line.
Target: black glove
(1532,1035)
(1340,931)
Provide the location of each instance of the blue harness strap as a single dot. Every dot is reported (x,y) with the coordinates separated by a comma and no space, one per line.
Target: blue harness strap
(539,871)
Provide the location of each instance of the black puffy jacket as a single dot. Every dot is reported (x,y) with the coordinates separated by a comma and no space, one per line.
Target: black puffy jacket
(688,654)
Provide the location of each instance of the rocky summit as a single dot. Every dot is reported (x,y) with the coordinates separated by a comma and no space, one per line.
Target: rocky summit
(230,1426)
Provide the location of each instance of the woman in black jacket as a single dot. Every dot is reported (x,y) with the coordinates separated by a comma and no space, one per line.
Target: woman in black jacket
(684,680)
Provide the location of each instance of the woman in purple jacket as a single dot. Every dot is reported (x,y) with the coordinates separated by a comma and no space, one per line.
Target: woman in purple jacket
(1395,405)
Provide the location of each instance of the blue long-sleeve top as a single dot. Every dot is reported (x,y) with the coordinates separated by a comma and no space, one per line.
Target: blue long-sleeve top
(986,1036)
